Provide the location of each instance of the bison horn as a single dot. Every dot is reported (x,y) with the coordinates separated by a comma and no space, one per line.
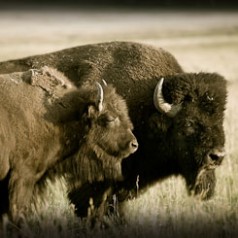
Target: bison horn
(104,82)
(160,103)
(100,96)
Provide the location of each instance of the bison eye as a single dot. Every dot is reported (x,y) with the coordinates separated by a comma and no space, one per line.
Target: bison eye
(190,128)
(209,97)
(110,118)
(107,120)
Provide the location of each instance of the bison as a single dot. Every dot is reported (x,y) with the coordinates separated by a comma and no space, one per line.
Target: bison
(177,116)
(46,121)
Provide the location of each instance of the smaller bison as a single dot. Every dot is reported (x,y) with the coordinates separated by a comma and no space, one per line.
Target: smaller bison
(45,121)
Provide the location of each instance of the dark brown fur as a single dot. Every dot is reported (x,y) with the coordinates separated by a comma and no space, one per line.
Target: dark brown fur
(183,145)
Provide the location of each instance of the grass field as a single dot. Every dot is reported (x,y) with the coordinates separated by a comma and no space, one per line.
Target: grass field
(201,41)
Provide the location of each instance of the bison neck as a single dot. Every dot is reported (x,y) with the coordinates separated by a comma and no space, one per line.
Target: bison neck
(151,163)
(88,166)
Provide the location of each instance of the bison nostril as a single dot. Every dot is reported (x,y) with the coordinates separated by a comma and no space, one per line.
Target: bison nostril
(134,144)
(217,155)
(214,157)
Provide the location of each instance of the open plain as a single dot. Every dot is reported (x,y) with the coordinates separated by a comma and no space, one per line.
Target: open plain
(201,41)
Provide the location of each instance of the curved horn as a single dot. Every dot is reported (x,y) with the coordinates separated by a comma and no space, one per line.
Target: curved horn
(100,96)
(160,103)
(104,82)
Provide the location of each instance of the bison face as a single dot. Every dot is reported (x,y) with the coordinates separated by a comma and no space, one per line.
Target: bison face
(194,105)
(111,132)
(110,128)
(199,149)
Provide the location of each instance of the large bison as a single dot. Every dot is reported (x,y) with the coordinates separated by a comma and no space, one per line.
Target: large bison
(177,116)
(46,121)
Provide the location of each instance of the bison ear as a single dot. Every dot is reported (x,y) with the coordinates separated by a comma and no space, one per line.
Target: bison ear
(92,111)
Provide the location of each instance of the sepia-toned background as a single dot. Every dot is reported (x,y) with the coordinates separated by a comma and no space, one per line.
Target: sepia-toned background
(201,40)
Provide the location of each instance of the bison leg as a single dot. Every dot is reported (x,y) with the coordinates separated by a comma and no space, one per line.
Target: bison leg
(87,195)
(21,189)
(4,204)
(96,214)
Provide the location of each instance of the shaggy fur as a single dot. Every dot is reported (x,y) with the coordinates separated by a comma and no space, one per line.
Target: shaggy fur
(186,145)
(45,119)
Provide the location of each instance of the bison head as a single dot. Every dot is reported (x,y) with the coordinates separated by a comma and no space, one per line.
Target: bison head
(108,136)
(110,125)
(192,107)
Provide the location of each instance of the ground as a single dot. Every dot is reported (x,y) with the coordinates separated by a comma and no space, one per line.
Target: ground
(201,41)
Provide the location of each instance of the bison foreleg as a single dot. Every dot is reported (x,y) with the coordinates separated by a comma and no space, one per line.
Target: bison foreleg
(96,214)
(20,193)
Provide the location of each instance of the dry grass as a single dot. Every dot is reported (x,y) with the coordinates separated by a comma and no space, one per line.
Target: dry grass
(164,210)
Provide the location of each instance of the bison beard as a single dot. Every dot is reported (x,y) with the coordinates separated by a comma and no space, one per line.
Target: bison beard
(48,124)
(186,141)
